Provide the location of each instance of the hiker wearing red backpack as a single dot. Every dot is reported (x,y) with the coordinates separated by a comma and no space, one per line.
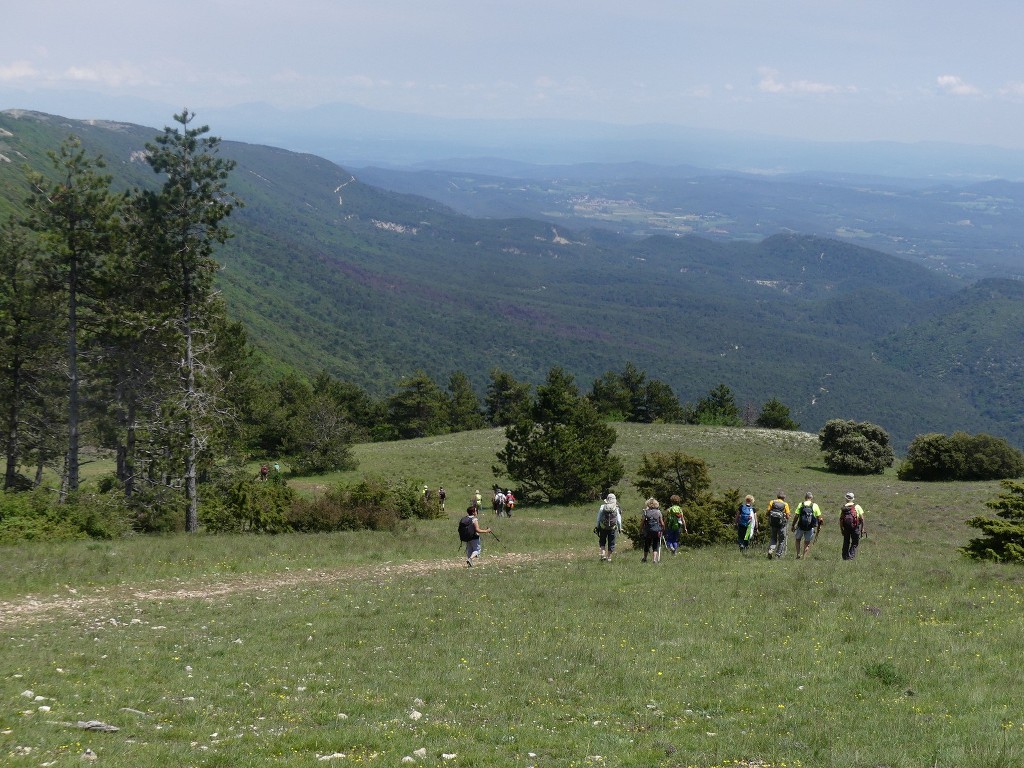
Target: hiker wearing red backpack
(851,522)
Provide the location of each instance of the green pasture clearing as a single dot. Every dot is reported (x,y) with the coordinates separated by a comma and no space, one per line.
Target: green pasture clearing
(360,649)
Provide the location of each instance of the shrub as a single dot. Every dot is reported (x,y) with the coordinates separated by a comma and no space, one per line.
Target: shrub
(961,457)
(663,474)
(709,523)
(260,506)
(373,503)
(854,448)
(37,516)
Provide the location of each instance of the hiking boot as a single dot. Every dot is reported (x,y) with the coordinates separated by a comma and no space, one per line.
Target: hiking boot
(643,560)
(469,563)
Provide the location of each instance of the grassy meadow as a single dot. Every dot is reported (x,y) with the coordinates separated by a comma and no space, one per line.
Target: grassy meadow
(379,649)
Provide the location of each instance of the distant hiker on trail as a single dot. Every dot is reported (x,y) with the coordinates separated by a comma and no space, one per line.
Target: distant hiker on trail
(806,524)
(478,500)
(851,523)
(510,502)
(498,502)
(746,523)
(778,517)
(441,496)
(469,532)
(609,523)
(426,495)
(653,528)
(675,523)
(264,471)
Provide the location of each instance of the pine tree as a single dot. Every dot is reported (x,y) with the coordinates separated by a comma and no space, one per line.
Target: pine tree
(186,218)
(76,216)
(1003,539)
(559,449)
(464,411)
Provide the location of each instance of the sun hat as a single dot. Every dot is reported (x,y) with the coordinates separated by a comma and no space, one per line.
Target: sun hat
(610,498)
(849,496)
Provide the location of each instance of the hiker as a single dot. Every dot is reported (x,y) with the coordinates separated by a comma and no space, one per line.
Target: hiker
(746,523)
(426,495)
(675,523)
(510,502)
(478,500)
(264,471)
(778,517)
(653,527)
(806,524)
(498,502)
(851,522)
(609,523)
(441,496)
(469,532)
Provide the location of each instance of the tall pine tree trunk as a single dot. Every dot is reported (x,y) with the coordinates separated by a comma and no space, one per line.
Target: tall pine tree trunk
(71,460)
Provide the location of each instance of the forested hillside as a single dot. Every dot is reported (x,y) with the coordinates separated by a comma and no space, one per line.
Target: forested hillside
(328,273)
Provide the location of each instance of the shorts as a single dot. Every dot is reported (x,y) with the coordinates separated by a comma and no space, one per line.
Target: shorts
(807,536)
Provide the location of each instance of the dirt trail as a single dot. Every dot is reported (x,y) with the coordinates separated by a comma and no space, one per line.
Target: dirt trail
(29,610)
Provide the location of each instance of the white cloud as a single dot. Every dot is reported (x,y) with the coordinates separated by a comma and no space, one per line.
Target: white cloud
(770,83)
(1014,90)
(955,86)
(112,75)
(17,70)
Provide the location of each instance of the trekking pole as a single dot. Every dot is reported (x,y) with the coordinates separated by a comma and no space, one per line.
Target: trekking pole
(495,537)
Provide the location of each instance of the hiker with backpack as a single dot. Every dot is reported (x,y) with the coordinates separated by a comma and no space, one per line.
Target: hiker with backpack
(652,528)
(498,502)
(778,517)
(441,496)
(675,523)
(851,523)
(806,524)
(469,532)
(609,523)
(510,502)
(746,523)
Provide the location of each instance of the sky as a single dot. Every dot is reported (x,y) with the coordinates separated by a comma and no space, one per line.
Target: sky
(855,70)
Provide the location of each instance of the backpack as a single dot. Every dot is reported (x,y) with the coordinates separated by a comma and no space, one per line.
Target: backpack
(609,517)
(807,521)
(777,513)
(652,519)
(746,514)
(849,519)
(675,518)
(467,529)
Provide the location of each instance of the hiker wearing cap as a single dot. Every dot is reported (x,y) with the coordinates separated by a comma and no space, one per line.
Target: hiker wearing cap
(469,532)
(652,528)
(778,517)
(806,524)
(851,522)
(609,523)
(746,523)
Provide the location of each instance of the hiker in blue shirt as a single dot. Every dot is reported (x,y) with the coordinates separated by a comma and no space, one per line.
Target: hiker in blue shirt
(746,523)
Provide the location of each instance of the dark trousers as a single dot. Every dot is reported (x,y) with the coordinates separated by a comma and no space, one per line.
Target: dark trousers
(851,540)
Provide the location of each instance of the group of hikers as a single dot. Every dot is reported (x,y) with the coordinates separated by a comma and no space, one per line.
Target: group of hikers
(657,528)
(663,529)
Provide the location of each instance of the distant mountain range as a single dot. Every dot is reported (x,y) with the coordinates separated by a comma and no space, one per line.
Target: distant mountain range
(330,273)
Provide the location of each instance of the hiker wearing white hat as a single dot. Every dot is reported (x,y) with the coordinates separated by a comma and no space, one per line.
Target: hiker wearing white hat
(851,522)
(609,523)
